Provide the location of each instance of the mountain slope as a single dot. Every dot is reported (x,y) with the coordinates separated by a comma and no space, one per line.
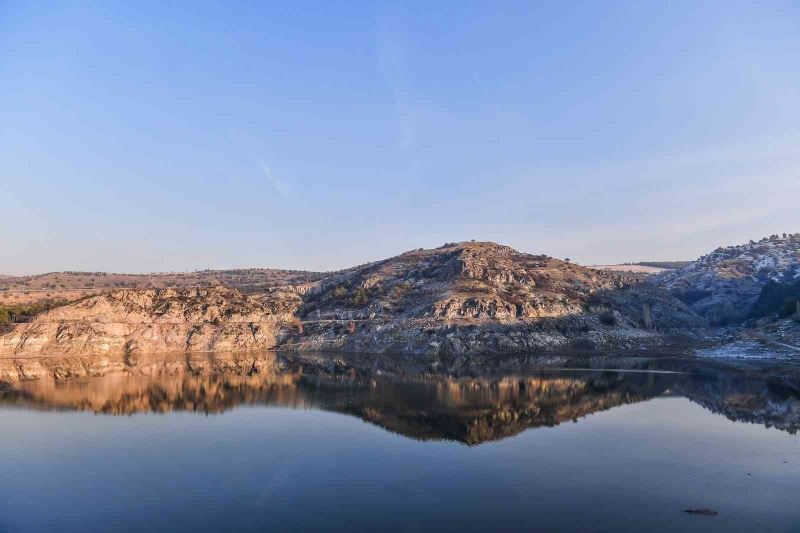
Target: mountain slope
(481,298)
(127,322)
(464,298)
(70,286)
(725,284)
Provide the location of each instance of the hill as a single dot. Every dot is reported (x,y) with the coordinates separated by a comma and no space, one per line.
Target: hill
(664,265)
(68,286)
(725,285)
(638,270)
(481,298)
(129,322)
(643,269)
(461,298)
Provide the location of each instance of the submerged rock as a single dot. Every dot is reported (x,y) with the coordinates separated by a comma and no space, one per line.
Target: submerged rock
(702,512)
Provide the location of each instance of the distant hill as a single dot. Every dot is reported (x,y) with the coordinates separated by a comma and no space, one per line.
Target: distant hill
(631,269)
(70,286)
(643,268)
(665,265)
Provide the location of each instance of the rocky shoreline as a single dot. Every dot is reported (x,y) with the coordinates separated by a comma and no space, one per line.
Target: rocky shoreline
(463,299)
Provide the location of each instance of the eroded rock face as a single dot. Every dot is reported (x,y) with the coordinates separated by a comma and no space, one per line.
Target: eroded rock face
(464,298)
(724,285)
(151,321)
(476,297)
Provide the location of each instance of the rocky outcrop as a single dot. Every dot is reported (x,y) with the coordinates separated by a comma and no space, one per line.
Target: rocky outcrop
(463,298)
(483,298)
(129,322)
(724,285)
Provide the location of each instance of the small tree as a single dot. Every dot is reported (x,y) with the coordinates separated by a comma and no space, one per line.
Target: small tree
(360,298)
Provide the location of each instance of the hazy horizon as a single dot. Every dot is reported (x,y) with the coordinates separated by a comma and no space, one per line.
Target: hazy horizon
(153,138)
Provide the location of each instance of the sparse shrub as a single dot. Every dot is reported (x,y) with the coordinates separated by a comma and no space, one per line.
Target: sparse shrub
(24,312)
(360,298)
(401,289)
(608,318)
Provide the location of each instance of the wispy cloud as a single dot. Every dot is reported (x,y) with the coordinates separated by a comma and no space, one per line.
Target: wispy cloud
(280,186)
(393,69)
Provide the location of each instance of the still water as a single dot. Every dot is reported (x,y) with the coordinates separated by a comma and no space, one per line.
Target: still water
(272,444)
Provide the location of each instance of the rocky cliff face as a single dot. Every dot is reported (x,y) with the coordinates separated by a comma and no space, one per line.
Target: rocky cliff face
(724,285)
(464,298)
(464,280)
(129,322)
(475,298)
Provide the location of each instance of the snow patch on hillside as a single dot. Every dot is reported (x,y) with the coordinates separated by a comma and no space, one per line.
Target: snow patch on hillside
(724,284)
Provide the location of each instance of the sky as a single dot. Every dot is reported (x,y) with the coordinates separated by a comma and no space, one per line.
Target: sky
(174,136)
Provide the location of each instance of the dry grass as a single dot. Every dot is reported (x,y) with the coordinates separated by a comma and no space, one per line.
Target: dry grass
(74,285)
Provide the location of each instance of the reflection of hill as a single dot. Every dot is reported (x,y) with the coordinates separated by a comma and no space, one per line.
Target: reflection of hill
(476,410)
(769,401)
(409,401)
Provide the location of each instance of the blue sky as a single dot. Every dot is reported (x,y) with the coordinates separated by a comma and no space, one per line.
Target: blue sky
(143,136)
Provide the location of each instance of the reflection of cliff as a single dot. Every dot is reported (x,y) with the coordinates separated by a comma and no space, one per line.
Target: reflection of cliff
(197,383)
(769,401)
(415,403)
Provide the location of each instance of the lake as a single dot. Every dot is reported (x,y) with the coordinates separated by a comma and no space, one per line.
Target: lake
(332,443)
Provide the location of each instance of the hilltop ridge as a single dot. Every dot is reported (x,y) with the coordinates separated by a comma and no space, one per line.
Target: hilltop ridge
(72,285)
(460,298)
(725,284)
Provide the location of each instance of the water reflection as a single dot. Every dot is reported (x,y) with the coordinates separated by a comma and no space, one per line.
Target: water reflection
(401,394)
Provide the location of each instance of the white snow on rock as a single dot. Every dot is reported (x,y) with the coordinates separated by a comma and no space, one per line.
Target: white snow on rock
(724,284)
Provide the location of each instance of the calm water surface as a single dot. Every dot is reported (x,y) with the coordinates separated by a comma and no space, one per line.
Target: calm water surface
(167,446)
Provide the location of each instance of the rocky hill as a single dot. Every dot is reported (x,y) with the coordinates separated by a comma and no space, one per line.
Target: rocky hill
(475,297)
(725,284)
(127,322)
(461,298)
